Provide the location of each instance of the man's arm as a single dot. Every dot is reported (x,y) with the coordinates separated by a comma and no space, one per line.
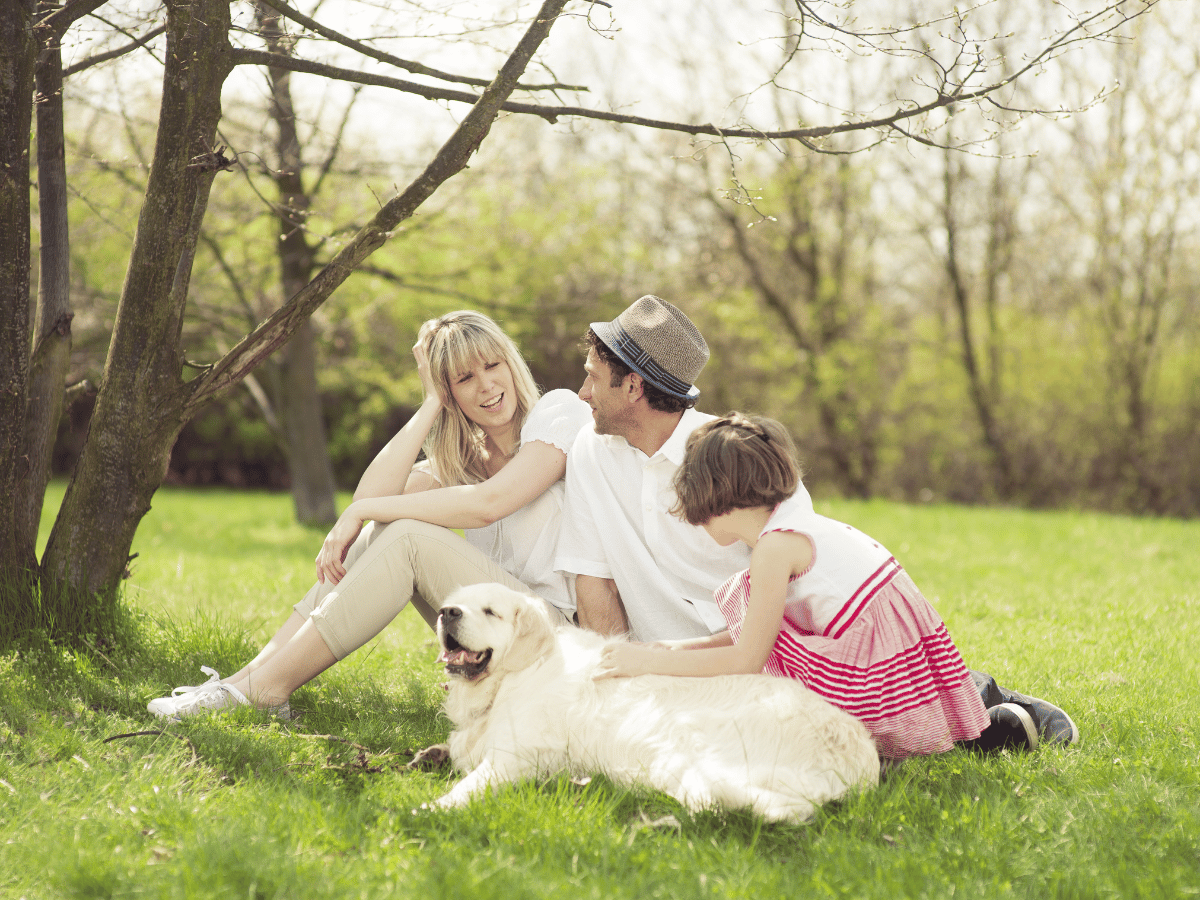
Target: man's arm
(599,605)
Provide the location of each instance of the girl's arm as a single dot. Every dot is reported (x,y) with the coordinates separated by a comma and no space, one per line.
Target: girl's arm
(527,476)
(720,639)
(776,557)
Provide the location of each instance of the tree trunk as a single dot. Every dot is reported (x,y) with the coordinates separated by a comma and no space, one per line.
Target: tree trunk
(17,63)
(140,407)
(298,399)
(812,312)
(51,357)
(985,402)
(304,429)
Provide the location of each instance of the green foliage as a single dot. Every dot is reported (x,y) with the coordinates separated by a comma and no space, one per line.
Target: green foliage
(548,239)
(1092,611)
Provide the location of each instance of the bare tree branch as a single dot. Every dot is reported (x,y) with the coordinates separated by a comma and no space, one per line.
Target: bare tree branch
(336,146)
(422,287)
(806,13)
(235,283)
(59,19)
(408,65)
(113,54)
(946,94)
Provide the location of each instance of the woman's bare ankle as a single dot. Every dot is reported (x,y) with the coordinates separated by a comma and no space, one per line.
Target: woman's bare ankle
(260,694)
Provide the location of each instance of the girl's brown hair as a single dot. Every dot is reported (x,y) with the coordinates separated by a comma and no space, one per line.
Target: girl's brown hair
(735,462)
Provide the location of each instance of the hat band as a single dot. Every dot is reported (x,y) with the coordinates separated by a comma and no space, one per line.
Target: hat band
(643,363)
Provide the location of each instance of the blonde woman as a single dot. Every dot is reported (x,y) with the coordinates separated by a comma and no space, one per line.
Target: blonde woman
(496,453)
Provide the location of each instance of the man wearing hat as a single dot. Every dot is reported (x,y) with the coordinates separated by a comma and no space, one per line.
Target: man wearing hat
(637,567)
(640,569)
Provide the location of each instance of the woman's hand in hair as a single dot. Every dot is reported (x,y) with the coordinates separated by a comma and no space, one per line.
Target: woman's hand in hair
(331,561)
(420,353)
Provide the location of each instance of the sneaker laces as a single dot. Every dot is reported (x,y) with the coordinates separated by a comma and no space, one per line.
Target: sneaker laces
(191,689)
(211,695)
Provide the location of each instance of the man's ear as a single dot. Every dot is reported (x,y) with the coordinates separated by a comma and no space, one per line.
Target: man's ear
(635,387)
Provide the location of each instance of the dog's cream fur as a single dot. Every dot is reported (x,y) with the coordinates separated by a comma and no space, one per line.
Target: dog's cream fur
(736,740)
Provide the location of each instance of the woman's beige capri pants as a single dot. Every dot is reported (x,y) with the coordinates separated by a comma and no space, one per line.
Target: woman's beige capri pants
(389,565)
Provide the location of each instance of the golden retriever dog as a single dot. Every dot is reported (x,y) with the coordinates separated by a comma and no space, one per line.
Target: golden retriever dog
(523,704)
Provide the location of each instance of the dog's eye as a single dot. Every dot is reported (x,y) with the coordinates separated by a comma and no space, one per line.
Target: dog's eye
(488,611)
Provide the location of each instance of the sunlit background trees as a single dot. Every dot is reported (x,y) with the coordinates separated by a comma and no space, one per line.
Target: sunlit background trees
(994,301)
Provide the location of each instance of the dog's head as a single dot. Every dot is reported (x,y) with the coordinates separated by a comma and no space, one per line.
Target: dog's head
(485,629)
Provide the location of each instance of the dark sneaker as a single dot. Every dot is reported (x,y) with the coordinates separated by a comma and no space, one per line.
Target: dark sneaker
(1011,728)
(1053,725)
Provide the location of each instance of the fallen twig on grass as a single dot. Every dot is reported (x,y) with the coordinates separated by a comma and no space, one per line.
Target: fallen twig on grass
(366,760)
(333,737)
(195,756)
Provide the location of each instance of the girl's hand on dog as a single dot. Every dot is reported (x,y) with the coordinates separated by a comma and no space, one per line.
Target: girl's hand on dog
(623,661)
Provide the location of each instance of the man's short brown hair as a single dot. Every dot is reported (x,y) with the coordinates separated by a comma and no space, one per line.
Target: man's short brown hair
(659,400)
(735,462)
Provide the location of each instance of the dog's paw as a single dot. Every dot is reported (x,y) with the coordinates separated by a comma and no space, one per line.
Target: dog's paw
(446,801)
(452,800)
(431,757)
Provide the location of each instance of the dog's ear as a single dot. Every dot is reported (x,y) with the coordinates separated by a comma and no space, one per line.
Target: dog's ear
(533,635)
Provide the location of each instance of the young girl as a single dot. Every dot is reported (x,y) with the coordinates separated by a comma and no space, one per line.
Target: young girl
(496,457)
(821,601)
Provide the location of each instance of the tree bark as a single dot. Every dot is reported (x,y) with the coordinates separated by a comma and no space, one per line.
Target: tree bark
(304,430)
(17,63)
(814,313)
(298,398)
(139,410)
(51,357)
(985,402)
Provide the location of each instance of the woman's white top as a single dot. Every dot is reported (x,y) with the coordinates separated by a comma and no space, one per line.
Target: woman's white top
(525,541)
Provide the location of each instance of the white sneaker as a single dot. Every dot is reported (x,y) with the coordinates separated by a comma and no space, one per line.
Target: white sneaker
(165,706)
(212,696)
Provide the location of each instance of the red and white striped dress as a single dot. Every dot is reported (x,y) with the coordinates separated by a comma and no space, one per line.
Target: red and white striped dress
(857,631)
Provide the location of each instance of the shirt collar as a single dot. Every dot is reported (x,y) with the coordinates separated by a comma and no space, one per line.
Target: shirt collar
(675,445)
(677,442)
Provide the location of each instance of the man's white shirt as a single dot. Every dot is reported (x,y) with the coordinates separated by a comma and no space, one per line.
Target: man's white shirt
(617,525)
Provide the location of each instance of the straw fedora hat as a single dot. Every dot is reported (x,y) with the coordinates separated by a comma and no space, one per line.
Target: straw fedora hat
(660,343)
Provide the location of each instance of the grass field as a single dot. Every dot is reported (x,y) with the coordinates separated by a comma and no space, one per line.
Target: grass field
(1098,613)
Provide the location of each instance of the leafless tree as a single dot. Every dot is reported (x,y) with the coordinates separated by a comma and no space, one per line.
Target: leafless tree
(809,264)
(1136,206)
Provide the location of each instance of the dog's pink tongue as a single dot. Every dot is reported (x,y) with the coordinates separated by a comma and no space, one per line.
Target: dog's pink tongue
(457,658)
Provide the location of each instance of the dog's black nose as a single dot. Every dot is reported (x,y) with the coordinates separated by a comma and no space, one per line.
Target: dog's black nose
(451,612)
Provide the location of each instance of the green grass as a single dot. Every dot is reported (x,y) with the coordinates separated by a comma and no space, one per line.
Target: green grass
(1098,613)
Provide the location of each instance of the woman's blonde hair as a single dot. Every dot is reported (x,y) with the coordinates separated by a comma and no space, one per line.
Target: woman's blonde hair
(456,343)
(735,462)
